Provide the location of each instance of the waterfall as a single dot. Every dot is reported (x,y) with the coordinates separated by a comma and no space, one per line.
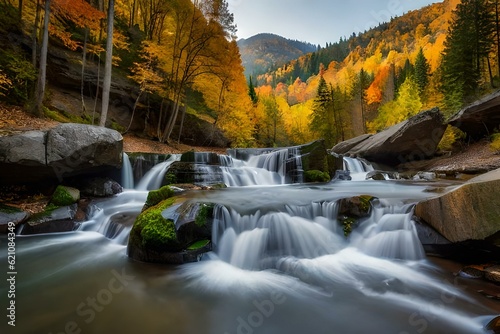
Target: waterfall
(358,168)
(389,233)
(153,178)
(277,167)
(127,173)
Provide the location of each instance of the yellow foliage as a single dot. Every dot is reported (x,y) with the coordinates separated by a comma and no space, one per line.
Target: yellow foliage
(495,142)
(5,83)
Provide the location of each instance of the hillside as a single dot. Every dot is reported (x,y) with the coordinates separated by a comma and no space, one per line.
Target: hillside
(371,78)
(263,52)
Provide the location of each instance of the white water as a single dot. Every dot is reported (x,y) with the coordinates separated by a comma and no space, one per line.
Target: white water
(127,173)
(263,169)
(281,264)
(357,168)
(153,178)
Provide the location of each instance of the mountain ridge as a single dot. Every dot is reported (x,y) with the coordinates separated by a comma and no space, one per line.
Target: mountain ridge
(265,51)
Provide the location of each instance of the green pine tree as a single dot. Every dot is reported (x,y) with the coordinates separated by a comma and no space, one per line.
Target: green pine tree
(421,72)
(469,42)
(251,91)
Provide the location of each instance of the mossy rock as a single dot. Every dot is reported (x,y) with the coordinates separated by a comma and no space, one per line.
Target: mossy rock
(316,157)
(205,212)
(316,176)
(152,231)
(64,196)
(357,206)
(156,196)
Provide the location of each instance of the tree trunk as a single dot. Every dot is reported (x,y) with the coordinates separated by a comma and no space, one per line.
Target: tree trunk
(97,87)
(183,111)
(84,60)
(133,110)
(42,72)
(20,11)
(34,44)
(108,65)
(497,26)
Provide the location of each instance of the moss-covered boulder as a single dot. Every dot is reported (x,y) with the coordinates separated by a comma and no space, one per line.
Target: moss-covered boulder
(171,231)
(316,176)
(352,209)
(157,196)
(64,196)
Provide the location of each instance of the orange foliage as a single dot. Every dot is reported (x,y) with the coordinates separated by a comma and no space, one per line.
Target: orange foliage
(374,93)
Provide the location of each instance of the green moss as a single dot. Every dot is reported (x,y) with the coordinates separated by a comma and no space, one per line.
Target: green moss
(158,233)
(152,231)
(365,202)
(61,197)
(170,178)
(198,244)
(117,127)
(46,212)
(316,176)
(205,212)
(347,225)
(8,209)
(156,196)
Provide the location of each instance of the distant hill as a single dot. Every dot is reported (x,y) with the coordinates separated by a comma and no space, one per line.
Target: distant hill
(264,52)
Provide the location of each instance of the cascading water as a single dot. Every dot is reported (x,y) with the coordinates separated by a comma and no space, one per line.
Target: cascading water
(271,168)
(153,178)
(281,264)
(127,173)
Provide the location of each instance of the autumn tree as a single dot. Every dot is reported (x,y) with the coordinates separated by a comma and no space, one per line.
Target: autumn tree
(251,91)
(406,104)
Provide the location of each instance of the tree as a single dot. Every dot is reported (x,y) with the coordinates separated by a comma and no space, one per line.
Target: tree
(251,91)
(323,118)
(406,104)
(469,42)
(42,72)
(421,72)
(108,64)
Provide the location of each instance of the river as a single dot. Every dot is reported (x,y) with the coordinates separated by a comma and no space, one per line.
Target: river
(281,264)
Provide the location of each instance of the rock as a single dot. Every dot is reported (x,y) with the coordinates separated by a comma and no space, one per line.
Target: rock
(345,146)
(100,187)
(10,214)
(64,151)
(357,207)
(424,176)
(379,175)
(63,196)
(74,149)
(470,212)
(494,325)
(414,139)
(480,118)
(343,175)
(493,273)
(53,220)
(171,232)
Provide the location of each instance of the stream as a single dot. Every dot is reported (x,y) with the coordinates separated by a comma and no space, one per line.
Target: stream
(280,264)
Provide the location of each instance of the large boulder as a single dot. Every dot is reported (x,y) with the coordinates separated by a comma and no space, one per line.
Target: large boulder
(64,151)
(470,212)
(480,118)
(345,146)
(171,232)
(414,139)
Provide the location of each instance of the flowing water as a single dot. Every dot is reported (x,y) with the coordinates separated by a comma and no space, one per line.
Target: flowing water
(280,264)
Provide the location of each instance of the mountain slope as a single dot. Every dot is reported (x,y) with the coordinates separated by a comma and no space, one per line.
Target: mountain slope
(263,52)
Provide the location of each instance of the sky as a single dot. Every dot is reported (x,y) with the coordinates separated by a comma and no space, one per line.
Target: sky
(316,21)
